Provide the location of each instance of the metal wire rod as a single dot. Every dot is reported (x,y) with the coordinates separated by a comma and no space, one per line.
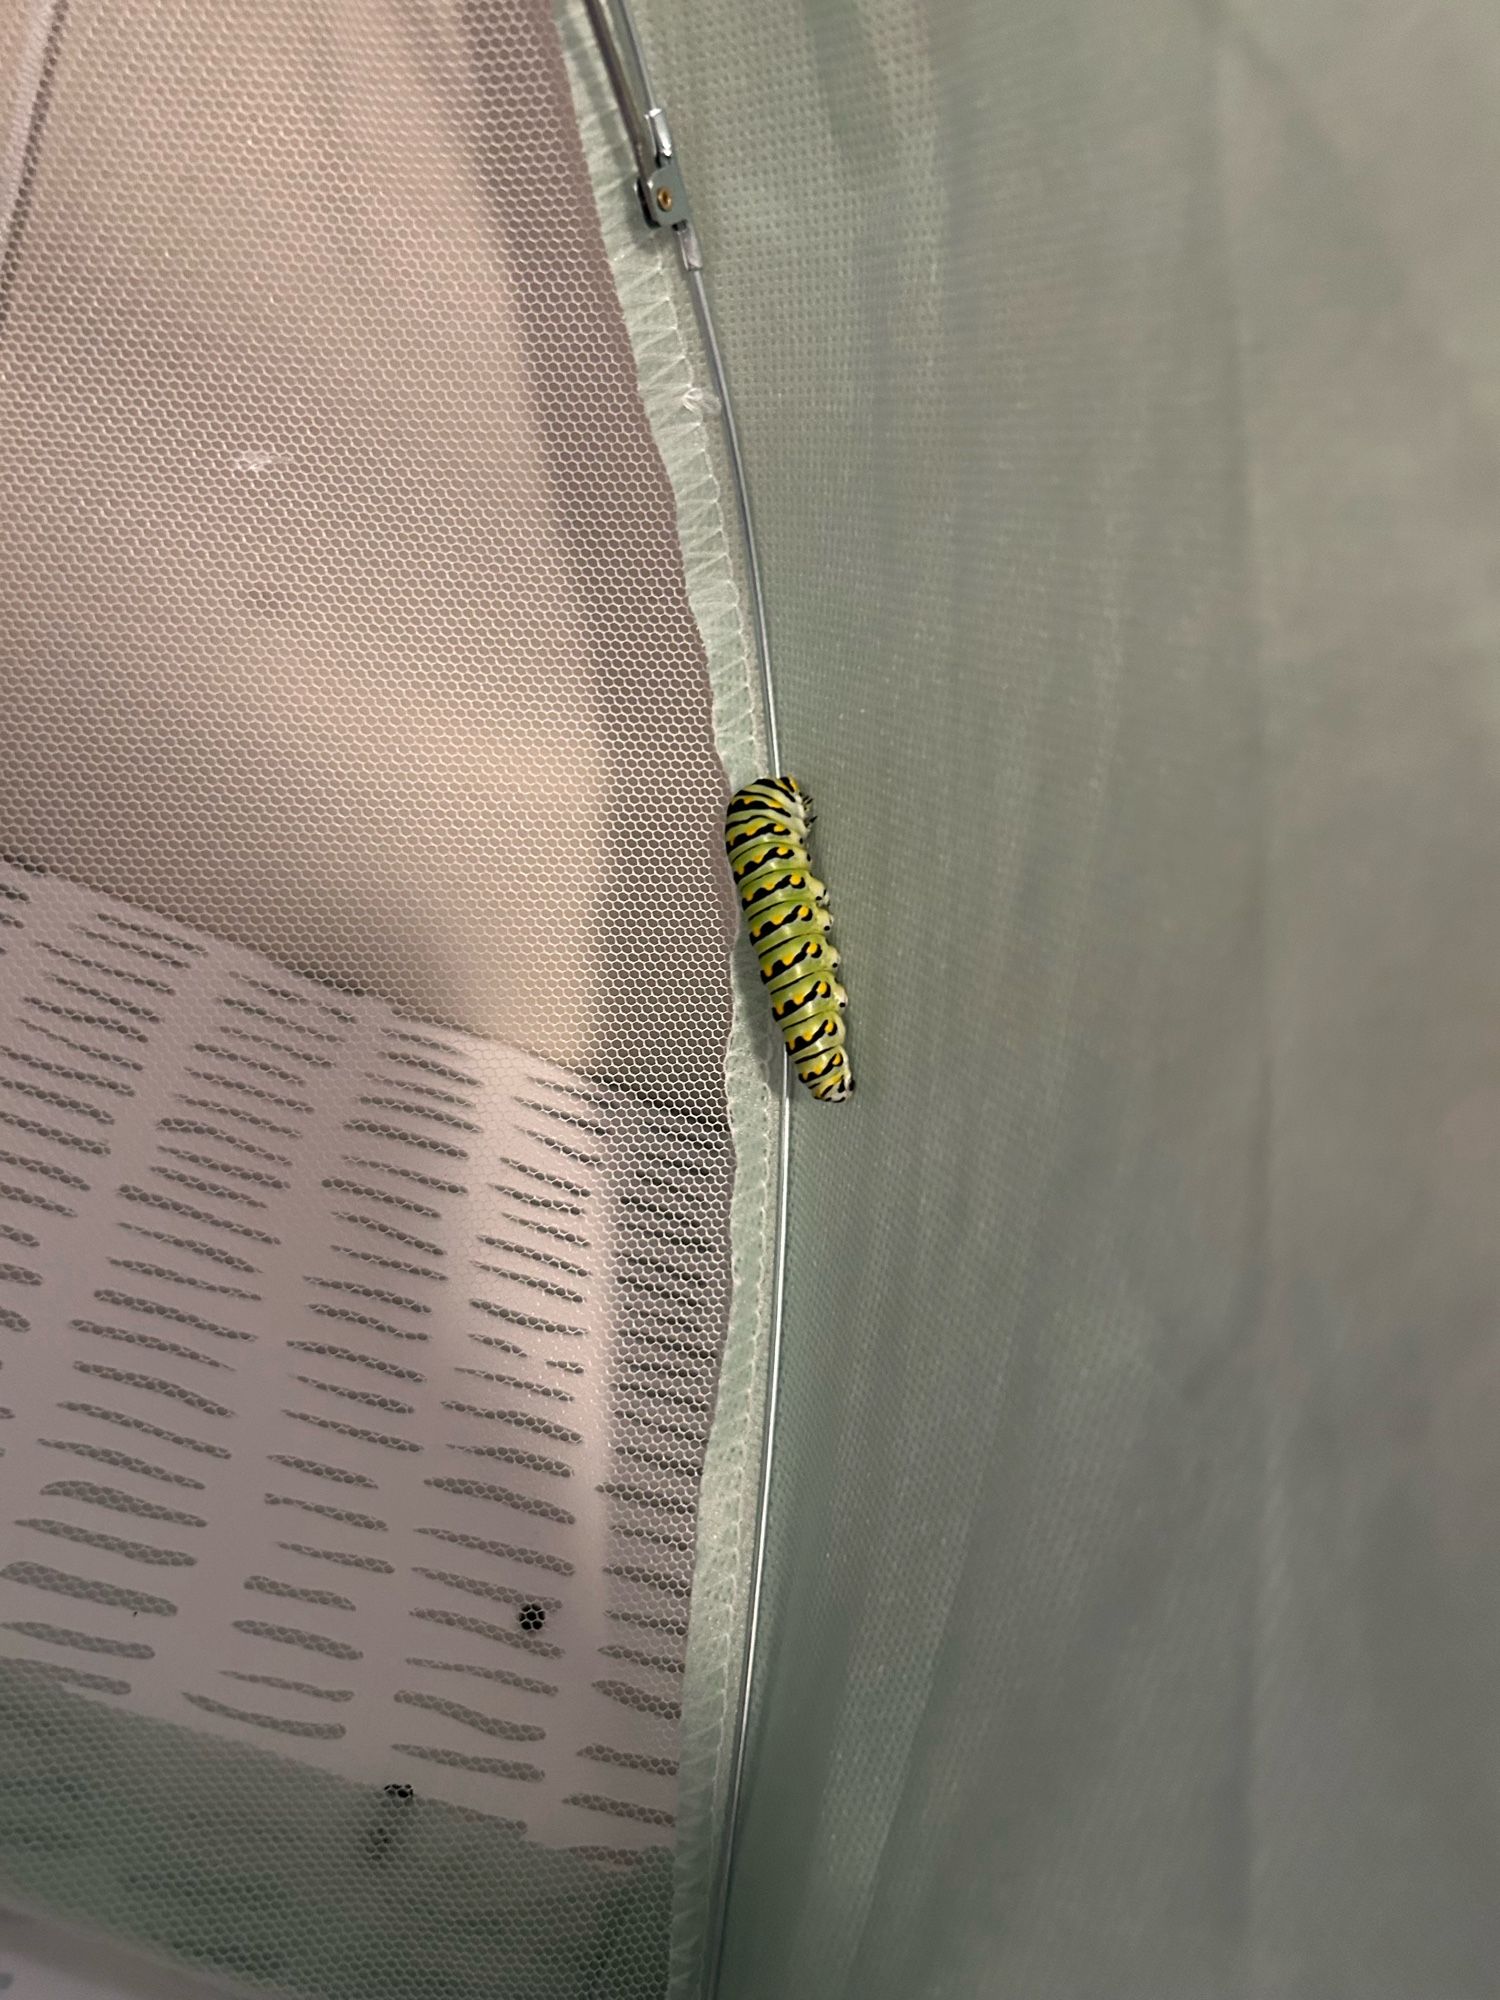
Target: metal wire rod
(664,201)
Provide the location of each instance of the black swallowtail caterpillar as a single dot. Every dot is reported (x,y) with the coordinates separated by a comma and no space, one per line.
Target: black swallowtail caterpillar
(786,908)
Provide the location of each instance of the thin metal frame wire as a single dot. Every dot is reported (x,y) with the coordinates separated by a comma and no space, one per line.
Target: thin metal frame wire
(621,52)
(719,1917)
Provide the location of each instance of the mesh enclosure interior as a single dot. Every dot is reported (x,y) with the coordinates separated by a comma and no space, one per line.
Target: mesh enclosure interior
(365,1167)
(48,1961)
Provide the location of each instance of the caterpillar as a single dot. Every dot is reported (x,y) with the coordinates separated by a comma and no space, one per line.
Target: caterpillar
(786,909)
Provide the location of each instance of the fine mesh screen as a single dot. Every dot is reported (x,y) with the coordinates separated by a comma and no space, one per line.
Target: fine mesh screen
(46,1961)
(1118,386)
(363,1008)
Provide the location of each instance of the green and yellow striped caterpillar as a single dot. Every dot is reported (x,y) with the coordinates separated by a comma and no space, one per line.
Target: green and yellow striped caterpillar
(786,908)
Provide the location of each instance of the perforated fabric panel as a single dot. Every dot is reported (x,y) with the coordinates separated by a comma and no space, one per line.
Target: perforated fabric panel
(1118,389)
(404,1540)
(363,1010)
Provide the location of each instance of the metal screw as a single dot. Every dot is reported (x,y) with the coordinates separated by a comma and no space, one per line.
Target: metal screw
(664,199)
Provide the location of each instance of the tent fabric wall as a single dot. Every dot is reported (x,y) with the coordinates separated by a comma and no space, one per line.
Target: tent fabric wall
(1119,388)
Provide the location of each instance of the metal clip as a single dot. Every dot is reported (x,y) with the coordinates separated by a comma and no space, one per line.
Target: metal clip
(663,195)
(659,182)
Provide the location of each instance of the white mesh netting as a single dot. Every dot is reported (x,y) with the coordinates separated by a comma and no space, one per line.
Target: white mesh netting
(362,1013)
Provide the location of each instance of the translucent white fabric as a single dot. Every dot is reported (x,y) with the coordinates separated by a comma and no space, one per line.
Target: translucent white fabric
(1119,387)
